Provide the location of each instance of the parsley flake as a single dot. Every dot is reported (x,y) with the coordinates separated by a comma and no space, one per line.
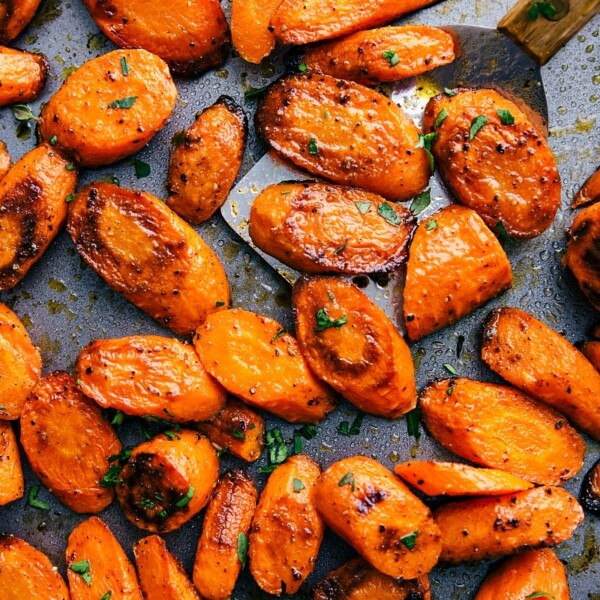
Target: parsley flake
(312,146)
(70,198)
(298,485)
(544,9)
(348,479)
(476,124)
(344,428)
(363,207)
(123,102)
(33,501)
(242,548)
(389,214)
(186,499)
(142,169)
(412,423)
(442,115)
(391,57)
(449,92)
(279,334)
(451,369)
(52,141)
(302,67)
(82,568)
(540,594)
(254,92)
(420,202)
(107,596)
(431,225)
(124,66)
(324,322)
(410,540)
(237,434)
(506,117)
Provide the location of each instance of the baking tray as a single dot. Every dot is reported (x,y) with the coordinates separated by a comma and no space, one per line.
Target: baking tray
(65,305)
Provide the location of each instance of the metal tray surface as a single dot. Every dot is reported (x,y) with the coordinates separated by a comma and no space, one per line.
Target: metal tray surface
(65,305)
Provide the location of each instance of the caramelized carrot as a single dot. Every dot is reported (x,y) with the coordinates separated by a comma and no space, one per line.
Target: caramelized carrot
(589,191)
(11,473)
(23,75)
(14,17)
(4,160)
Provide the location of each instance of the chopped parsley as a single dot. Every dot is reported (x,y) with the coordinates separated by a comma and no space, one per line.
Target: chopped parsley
(277,450)
(279,334)
(391,57)
(82,568)
(186,499)
(503,235)
(219,303)
(312,146)
(540,594)
(442,116)
(344,428)
(302,67)
(126,103)
(431,225)
(32,499)
(412,423)
(124,66)
(298,485)
(389,214)
(308,431)
(178,138)
(363,207)
(254,92)
(324,322)
(506,117)
(476,124)
(142,169)
(111,477)
(341,248)
(420,202)
(410,540)
(118,419)
(544,9)
(107,596)
(426,142)
(242,548)
(70,198)
(348,479)
(52,141)
(450,369)
(147,504)
(237,434)
(449,92)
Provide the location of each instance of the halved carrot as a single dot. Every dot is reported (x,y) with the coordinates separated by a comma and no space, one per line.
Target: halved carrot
(384,54)
(252,37)
(589,191)
(485,528)
(23,75)
(11,473)
(455,479)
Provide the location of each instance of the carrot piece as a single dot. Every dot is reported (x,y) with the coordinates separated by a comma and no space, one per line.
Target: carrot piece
(305,21)
(589,191)
(68,443)
(499,427)
(359,351)
(160,573)
(23,75)
(486,528)
(532,574)
(535,358)
(250,31)
(591,350)
(385,54)
(590,490)
(20,364)
(97,564)
(11,473)
(4,160)
(372,510)
(255,359)
(287,530)
(146,375)
(455,265)
(224,531)
(14,17)
(583,252)
(26,573)
(455,479)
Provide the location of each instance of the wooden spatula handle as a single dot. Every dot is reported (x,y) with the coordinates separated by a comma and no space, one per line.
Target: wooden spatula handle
(542,36)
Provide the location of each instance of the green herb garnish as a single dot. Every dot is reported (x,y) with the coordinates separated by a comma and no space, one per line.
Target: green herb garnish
(410,540)
(82,568)
(389,214)
(413,420)
(363,207)
(449,92)
(348,479)
(302,67)
(312,146)
(22,112)
(544,9)
(123,102)
(52,141)
(186,499)
(254,92)
(420,202)
(324,322)
(391,57)
(431,225)
(242,548)
(443,114)
(142,169)
(476,124)
(450,369)
(279,334)
(506,117)
(124,66)
(33,501)
(540,594)
(237,434)
(298,485)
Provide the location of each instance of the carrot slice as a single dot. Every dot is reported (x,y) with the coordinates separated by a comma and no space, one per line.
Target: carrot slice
(11,473)
(591,350)
(455,479)
(23,76)
(250,32)
(589,192)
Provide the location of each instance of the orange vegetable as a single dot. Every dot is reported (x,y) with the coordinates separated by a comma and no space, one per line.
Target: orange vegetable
(287,530)
(364,503)
(344,132)
(237,429)
(252,37)
(591,350)
(350,344)
(149,375)
(26,573)
(20,364)
(583,252)
(145,251)
(68,443)
(487,528)
(168,480)
(161,574)
(455,265)
(226,522)
(205,163)
(14,17)
(32,196)
(305,21)
(495,160)
(385,54)
(101,115)
(192,36)
(96,564)
(253,358)
(454,479)
(502,428)
(358,580)
(11,473)
(541,362)
(532,574)
(589,191)
(590,490)
(324,228)
(4,160)
(23,75)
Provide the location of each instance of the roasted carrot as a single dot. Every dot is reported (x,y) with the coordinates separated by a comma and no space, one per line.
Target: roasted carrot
(4,159)
(68,443)
(205,163)
(192,36)
(486,528)
(589,191)
(11,473)
(500,427)
(110,108)
(325,228)
(145,251)
(380,55)
(161,575)
(364,503)
(350,344)
(344,132)
(32,196)
(224,536)
(237,429)
(252,36)
(287,530)
(149,375)
(168,480)
(97,564)
(304,21)
(590,490)
(535,358)
(358,580)
(532,574)
(495,160)
(455,479)
(26,573)
(455,265)
(255,359)
(23,75)
(591,350)
(14,17)
(583,252)
(20,364)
